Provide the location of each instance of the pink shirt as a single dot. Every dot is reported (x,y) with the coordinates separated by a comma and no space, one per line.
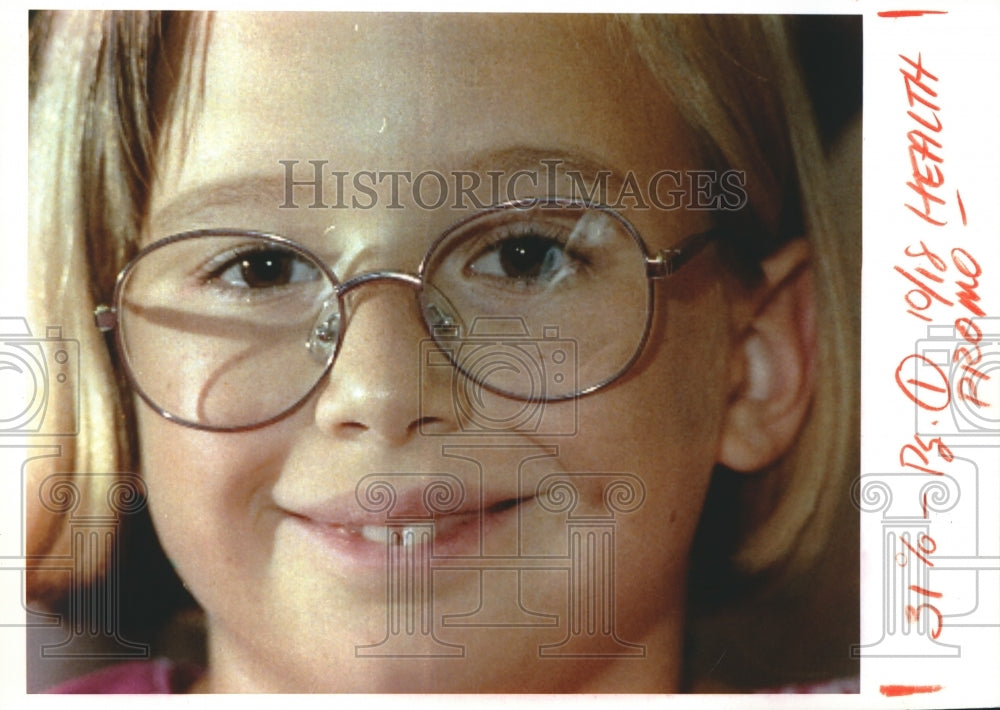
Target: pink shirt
(162,675)
(159,675)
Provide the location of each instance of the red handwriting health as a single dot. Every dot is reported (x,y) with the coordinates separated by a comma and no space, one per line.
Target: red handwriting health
(925,146)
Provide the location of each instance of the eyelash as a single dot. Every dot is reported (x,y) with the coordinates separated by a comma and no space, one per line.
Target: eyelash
(554,235)
(210,273)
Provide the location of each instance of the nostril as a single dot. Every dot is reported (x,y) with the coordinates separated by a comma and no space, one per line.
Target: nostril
(427,424)
(352,429)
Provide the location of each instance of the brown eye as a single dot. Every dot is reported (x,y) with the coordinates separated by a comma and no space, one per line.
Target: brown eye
(523,258)
(270,268)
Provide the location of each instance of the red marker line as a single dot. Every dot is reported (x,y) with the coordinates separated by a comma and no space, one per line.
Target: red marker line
(911,13)
(895,691)
(961,207)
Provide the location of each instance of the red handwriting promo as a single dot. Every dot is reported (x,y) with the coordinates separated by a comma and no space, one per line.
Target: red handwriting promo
(945,283)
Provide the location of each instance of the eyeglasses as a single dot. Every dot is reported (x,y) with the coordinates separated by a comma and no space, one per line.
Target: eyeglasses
(540,300)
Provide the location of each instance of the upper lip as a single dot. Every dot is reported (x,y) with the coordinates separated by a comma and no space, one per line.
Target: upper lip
(345,510)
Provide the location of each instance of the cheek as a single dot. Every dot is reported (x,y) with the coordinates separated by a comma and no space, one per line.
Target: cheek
(208,498)
(665,417)
(662,424)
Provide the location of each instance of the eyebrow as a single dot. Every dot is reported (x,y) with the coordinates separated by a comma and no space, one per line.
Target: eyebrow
(528,157)
(226,192)
(263,188)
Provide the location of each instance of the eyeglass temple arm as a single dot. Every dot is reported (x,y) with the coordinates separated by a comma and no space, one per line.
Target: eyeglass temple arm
(667,261)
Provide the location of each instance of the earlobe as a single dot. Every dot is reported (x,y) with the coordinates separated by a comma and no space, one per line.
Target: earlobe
(774,361)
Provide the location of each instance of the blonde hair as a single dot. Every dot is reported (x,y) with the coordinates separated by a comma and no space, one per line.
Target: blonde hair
(102,86)
(735,84)
(92,133)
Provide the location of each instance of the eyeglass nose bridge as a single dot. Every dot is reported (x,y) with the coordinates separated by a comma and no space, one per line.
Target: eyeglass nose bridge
(375,276)
(324,339)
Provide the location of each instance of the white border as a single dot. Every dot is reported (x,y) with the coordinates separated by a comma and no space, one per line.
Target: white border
(962,48)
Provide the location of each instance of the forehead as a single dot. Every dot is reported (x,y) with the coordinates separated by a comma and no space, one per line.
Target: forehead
(417,92)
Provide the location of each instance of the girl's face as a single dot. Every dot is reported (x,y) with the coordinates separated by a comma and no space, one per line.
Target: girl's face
(264,526)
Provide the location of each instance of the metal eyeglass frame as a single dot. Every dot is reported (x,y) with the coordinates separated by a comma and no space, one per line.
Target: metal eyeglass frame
(659,265)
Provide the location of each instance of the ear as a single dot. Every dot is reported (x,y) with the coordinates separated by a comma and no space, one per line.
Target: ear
(773,364)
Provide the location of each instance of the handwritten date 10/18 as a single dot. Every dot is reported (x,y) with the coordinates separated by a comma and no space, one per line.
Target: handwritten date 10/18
(929,276)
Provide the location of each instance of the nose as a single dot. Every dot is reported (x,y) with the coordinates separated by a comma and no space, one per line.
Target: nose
(378,387)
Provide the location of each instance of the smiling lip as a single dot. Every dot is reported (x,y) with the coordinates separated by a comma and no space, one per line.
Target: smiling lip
(362,539)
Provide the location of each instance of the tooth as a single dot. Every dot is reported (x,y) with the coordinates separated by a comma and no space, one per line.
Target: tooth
(401,535)
(375,533)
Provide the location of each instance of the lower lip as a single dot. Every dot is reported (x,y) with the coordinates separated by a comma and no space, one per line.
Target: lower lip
(463,538)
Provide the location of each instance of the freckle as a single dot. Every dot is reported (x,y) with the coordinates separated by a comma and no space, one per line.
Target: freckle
(673,515)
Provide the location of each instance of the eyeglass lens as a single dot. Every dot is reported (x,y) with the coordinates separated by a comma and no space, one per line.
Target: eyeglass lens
(536,303)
